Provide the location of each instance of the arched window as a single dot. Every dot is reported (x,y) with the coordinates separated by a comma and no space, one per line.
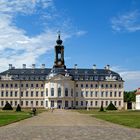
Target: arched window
(66,91)
(59,92)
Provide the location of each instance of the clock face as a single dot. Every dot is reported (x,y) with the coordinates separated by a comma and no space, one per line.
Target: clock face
(59,62)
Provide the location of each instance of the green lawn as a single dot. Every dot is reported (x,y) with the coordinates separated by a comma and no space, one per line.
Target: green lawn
(7,117)
(127,118)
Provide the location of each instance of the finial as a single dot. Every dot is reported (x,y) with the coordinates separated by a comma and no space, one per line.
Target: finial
(59,33)
(59,41)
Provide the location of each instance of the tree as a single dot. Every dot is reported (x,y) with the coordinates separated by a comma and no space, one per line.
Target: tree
(111,107)
(130,96)
(7,107)
(101,108)
(18,108)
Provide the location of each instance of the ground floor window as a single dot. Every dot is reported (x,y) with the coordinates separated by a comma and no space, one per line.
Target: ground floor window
(81,103)
(76,103)
(46,103)
(66,103)
(52,103)
(96,103)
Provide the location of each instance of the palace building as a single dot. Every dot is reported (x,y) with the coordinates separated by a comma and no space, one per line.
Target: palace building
(59,86)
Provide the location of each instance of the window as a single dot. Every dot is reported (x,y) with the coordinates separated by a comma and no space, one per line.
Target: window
(66,104)
(102,103)
(52,91)
(115,94)
(91,85)
(52,103)
(46,103)
(36,85)
(26,85)
(110,94)
(81,103)
(59,92)
(6,93)
(11,85)
(119,103)
(86,103)
(46,92)
(115,86)
(76,85)
(106,103)
(31,103)
(102,86)
(2,85)
(21,93)
(26,103)
(76,94)
(15,103)
(41,103)
(42,85)
(15,93)
(11,93)
(21,102)
(106,85)
(82,93)
(2,103)
(119,94)
(36,93)
(32,85)
(91,94)
(6,85)
(66,91)
(21,85)
(2,93)
(81,85)
(41,93)
(86,85)
(120,86)
(16,85)
(96,94)
(26,93)
(91,103)
(31,93)
(72,92)
(106,94)
(96,85)
(115,103)
(76,103)
(96,103)
(11,103)
(36,103)
(110,85)
(102,94)
(86,93)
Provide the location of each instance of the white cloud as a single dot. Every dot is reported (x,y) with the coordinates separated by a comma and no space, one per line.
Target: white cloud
(131,78)
(80,33)
(129,22)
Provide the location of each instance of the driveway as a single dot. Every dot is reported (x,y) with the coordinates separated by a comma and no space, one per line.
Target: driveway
(66,125)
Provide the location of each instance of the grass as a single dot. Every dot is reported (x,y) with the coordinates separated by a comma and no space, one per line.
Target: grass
(126,118)
(7,117)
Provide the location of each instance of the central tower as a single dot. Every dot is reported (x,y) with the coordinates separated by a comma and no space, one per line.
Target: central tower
(59,54)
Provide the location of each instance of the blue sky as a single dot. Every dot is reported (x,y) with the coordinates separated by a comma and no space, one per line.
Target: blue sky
(97,32)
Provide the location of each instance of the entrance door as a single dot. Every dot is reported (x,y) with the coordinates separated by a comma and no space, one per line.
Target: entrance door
(59,104)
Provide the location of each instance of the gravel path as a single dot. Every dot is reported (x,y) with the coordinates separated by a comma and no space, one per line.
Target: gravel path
(66,125)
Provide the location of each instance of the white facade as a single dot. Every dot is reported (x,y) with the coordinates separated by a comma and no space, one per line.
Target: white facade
(138,99)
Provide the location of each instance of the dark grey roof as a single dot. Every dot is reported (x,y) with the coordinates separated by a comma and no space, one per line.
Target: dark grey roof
(77,74)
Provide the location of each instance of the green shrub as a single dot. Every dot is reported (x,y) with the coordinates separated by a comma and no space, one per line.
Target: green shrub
(111,107)
(101,108)
(18,108)
(7,107)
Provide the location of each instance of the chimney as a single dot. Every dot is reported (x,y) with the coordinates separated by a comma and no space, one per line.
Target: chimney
(24,66)
(75,66)
(108,67)
(43,66)
(33,66)
(10,66)
(94,67)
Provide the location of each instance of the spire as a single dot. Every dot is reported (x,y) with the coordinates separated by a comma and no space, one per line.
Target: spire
(59,41)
